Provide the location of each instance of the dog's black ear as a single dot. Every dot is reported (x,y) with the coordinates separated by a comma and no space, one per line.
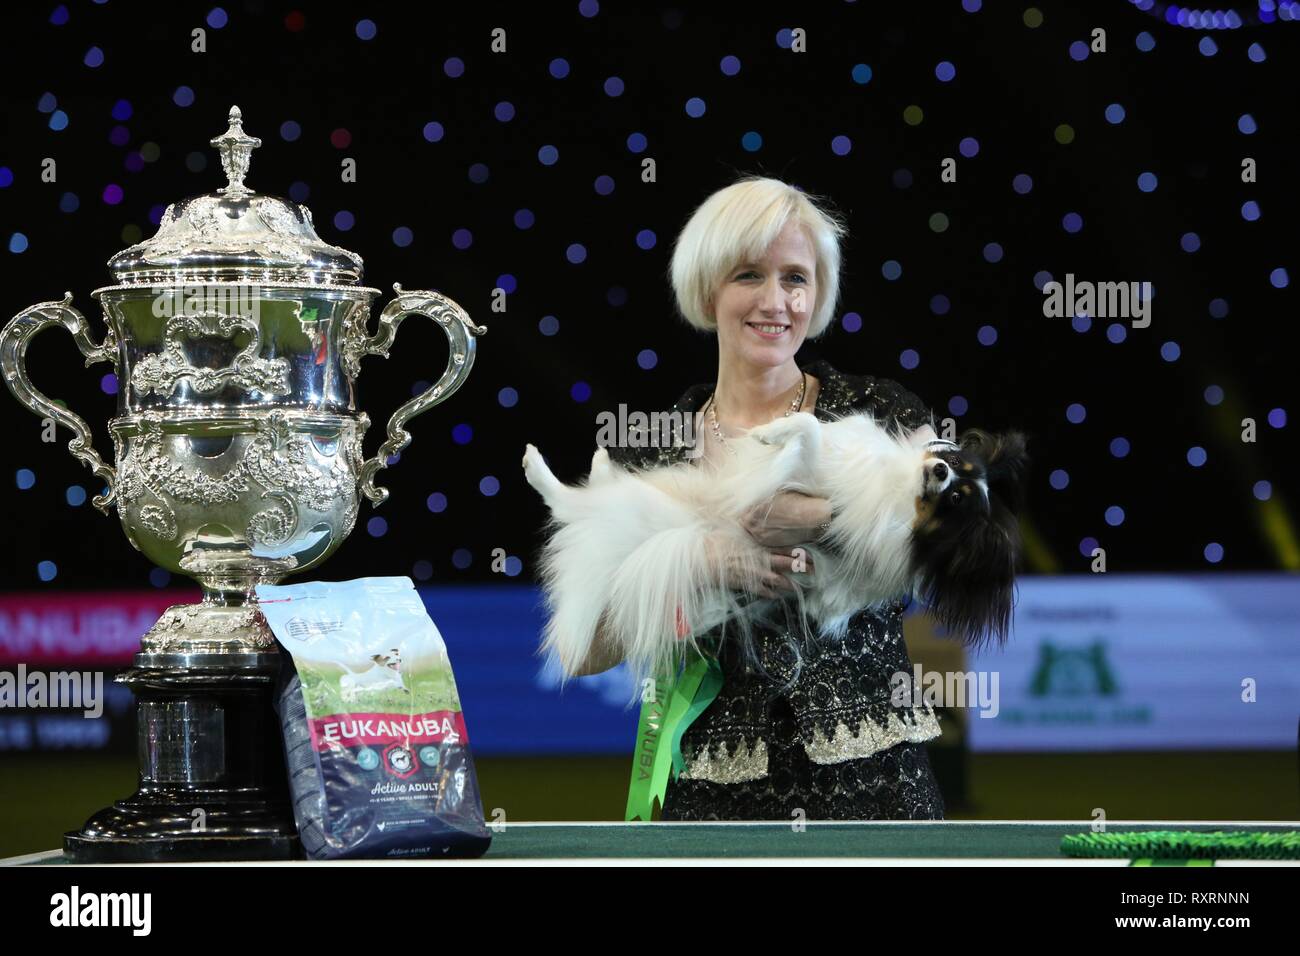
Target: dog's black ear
(968,580)
(1007,461)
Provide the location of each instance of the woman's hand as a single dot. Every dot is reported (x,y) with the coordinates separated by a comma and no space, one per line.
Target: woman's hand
(786,520)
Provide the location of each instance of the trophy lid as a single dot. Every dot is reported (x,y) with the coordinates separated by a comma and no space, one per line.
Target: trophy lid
(236,234)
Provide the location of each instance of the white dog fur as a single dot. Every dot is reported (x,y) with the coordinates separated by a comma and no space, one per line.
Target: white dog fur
(630,544)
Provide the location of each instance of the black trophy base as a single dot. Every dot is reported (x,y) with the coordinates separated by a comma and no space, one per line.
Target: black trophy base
(213,784)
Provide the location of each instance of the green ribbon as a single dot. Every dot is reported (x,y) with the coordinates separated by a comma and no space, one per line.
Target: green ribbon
(668,714)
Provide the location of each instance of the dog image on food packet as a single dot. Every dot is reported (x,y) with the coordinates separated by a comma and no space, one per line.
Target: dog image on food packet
(375,741)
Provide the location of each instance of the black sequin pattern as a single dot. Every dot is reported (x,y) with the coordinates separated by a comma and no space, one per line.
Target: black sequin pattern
(801,691)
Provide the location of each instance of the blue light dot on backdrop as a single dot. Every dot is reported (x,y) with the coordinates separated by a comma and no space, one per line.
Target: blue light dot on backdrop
(453,67)
(290,131)
(507,283)
(613,86)
(508,397)
(1145,42)
(433,131)
(1250,210)
(75,495)
(729,65)
(1115,113)
(1041,278)
(636,143)
(513,566)
(861,74)
(1196,456)
(1190,242)
(909,359)
(94,57)
(1170,351)
(548,155)
(47,570)
(402,236)
(902,178)
(891,270)
(377,527)
(1263,490)
(478,173)
(58,120)
(462,434)
(647,359)
(1213,395)
(1088,545)
(59,16)
(1116,332)
(576,253)
(1218,308)
(558,68)
(939,304)
(1071,222)
(945,71)
(548,325)
(183,96)
(462,238)
(841,145)
(504,111)
(17,243)
(344,220)
(987,335)
(969,147)
(524,219)
(992,252)
(422,570)
(1119,447)
(1075,413)
(1207,46)
(1246,124)
(436,502)
(1279,278)
(695,107)
(1114,516)
(1022,183)
(1078,51)
(646,239)
(1059,479)
(1214,552)
(489,486)
(24,478)
(217,18)
(957,405)
(1277,417)
(461,558)
(580,392)
(1081,323)
(1147,182)
(1256,53)
(751,142)
(366,29)
(852,322)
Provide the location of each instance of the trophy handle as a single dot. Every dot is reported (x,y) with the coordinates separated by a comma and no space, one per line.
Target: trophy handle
(15,338)
(460,330)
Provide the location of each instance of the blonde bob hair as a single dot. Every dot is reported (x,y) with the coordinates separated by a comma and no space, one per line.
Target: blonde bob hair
(737,224)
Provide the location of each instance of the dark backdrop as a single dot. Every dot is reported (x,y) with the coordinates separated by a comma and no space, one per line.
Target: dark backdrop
(1014,86)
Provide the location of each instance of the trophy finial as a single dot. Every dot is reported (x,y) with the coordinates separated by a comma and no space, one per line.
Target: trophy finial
(236,148)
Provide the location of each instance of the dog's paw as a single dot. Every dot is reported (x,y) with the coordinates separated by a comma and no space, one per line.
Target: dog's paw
(531,456)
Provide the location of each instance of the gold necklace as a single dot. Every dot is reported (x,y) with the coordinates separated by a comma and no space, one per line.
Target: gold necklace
(794,407)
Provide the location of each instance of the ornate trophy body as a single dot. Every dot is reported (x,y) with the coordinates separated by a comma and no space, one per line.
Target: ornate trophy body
(237,336)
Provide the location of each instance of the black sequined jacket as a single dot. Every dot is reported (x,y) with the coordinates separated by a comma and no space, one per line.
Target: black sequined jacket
(838,692)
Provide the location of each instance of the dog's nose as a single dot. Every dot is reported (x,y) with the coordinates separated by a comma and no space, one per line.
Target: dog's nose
(940,471)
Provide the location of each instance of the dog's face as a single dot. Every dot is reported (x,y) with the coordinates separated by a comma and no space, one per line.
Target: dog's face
(966,540)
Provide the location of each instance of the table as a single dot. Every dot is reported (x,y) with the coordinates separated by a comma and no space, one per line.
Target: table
(924,841)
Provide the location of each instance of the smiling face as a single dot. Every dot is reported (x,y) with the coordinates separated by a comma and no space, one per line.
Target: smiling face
(763,308)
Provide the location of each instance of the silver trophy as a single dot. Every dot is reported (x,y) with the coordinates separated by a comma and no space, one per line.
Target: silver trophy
(237,336)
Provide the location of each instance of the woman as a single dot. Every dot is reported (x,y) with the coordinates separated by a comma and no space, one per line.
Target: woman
(811,728)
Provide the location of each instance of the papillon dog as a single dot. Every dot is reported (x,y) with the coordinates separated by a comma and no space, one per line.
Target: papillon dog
(639,551)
